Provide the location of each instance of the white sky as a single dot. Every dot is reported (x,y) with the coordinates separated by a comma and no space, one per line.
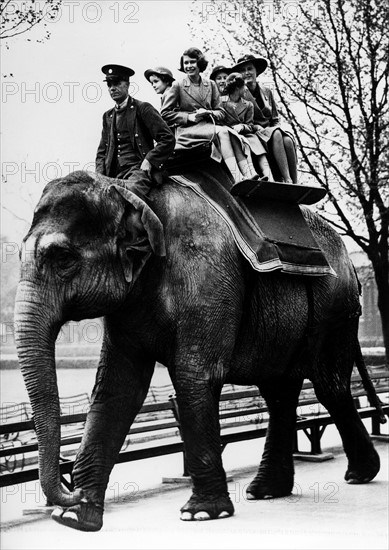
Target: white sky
(52,106)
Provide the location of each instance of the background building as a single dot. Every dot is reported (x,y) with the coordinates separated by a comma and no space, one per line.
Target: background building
(370,328)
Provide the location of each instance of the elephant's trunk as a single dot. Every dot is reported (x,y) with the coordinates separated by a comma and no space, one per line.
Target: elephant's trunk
(36,329)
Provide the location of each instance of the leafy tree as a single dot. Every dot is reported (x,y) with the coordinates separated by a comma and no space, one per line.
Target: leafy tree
(19,17)
(329,61)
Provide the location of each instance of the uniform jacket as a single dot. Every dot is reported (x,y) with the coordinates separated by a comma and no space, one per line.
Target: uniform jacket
(145,125)
(183,97)
(268,114)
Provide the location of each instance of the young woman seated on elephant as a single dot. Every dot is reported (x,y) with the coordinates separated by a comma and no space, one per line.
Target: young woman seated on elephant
(193,107)
(240,116)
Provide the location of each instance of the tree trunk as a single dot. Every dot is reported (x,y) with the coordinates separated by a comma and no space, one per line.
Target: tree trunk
(383,306)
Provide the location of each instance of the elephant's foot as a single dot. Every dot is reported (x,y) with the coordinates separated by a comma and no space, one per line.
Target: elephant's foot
(363,473)
(271,484)
(85,516)
(202,507)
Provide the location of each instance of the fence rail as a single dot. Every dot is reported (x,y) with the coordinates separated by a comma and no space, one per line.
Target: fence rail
(156,430)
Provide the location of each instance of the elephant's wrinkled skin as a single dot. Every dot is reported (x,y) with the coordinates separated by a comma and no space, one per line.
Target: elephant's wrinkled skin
(201,311)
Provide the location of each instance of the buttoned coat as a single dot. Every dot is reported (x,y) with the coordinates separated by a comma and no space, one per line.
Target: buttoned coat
(267,116)
(241,112)
(183,97)
(145,125)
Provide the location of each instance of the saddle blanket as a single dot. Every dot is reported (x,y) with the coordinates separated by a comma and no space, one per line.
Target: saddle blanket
(271,235)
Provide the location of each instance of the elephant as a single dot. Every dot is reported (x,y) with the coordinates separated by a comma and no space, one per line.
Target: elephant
(172,287)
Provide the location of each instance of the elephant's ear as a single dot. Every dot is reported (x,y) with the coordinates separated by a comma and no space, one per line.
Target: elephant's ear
(143,234)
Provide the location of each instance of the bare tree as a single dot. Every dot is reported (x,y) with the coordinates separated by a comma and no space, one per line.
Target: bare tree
(18,17)
(329,61)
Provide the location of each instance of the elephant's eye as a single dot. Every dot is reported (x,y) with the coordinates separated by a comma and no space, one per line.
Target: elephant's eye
(63,260)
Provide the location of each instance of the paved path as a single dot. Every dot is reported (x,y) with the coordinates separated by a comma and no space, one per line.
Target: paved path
(142,513)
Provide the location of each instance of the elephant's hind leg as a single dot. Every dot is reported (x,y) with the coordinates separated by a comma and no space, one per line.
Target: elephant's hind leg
(363,459)
(275,477)
(332,387)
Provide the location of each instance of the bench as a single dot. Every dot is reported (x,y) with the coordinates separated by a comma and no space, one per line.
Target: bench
(19,448)
(11,413)
(156,430)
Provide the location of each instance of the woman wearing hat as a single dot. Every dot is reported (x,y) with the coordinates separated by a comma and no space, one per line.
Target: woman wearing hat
(279,143)
(193,107)
(161,79)
(219,76)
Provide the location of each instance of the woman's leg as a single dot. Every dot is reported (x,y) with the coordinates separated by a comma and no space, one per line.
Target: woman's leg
(264,167)
(291,156)
(245,163)
(279,153)
(228,155)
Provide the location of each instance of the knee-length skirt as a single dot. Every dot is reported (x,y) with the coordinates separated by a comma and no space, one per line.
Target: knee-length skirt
(265,134)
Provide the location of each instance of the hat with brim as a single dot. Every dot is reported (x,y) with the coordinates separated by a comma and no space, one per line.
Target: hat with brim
(159,71)
(117,72)
(260,63)
(219,69)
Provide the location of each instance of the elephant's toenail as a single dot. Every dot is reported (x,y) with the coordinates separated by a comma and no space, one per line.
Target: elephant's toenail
(57,513)
(354,481)
(186,516)
(70,515)
(224,515)
(201,516)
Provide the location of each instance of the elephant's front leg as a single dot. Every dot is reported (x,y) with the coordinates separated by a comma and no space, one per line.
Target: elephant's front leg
(198,400)
(120,389)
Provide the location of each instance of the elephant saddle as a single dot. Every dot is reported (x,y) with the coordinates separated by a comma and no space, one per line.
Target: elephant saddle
(271,234)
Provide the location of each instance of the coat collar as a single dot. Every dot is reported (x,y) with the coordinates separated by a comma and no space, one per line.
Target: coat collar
(131,106)
(241,106)
(187,82)
(262,92)
(123,104)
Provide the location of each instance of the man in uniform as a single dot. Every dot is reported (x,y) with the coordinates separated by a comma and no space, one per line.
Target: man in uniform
(127,150)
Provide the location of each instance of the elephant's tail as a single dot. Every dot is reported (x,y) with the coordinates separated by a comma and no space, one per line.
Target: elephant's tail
(368,384)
